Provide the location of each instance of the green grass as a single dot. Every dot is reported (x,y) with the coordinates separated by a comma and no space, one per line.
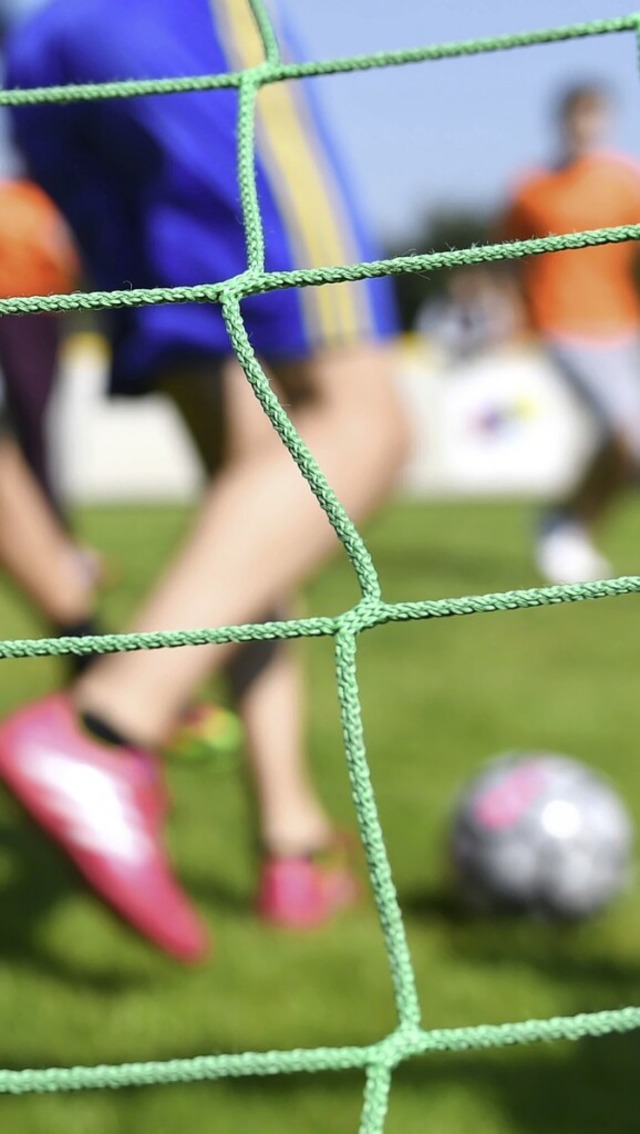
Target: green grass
(438,699)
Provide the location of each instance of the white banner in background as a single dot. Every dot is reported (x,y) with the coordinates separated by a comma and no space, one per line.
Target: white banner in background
(501,424)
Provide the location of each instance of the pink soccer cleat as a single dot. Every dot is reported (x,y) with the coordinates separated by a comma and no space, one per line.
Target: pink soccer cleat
(105,807)
(304,893)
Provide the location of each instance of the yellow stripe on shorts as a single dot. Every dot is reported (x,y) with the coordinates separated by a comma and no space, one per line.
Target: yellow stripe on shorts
(303,185)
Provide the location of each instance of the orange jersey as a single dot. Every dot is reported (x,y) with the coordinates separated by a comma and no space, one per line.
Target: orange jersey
(37,255)
(589,292)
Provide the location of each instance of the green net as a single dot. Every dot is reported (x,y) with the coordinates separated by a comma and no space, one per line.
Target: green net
(378,1060)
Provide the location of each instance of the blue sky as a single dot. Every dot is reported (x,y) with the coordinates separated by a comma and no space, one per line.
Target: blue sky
(454,131)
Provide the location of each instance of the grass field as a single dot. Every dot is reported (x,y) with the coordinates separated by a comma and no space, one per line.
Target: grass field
(438,699)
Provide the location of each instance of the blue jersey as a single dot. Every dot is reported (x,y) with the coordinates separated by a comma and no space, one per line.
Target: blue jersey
(149,184)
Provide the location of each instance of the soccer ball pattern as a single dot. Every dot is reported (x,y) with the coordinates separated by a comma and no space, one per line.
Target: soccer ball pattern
(543,834)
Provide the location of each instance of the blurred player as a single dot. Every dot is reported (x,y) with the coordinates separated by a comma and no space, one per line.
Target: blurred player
(584,304)
(153,200)
(37,257)
(34,547)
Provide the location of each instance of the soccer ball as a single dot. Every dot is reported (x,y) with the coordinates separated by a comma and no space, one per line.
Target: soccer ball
(542,834)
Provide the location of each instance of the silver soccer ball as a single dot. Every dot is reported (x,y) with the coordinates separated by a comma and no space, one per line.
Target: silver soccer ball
(540,833)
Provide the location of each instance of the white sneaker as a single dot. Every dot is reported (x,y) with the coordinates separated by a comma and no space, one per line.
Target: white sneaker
(565,554)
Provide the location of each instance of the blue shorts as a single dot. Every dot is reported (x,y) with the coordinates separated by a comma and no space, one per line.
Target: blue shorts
(149,184)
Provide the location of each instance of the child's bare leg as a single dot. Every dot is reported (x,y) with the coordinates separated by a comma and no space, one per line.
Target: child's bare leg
(34,548)
(604,480)
(264,677)
(260,532)
(270,700)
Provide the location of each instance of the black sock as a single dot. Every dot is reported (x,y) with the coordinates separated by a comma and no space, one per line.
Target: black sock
(82,628)
(103,731)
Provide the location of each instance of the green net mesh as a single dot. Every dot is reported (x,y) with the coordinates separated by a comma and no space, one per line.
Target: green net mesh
(409,1038)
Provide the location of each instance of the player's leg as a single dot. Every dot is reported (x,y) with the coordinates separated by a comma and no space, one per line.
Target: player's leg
(29,358)
(35,549)
(605,378)
(226,424)
(607,475)
(265,680)
(305,872)
(259,533)
(291,818)
(565,547)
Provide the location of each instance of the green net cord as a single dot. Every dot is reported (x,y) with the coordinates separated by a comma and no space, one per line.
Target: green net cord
(377,1061)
